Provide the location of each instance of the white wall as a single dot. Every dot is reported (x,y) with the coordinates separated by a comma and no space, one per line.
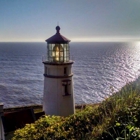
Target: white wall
(54,101)
(57,70)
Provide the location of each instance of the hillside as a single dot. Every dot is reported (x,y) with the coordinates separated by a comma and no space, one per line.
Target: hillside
(117,117)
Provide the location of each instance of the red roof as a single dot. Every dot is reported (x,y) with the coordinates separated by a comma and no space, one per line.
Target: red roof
(57,38)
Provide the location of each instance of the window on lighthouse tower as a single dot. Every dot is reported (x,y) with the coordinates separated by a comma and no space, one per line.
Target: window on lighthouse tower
(65,70)
(66,84)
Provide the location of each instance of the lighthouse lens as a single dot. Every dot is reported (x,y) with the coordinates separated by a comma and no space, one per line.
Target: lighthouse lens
(58,52)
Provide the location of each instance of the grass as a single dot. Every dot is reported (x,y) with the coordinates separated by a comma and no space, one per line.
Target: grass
(116,118)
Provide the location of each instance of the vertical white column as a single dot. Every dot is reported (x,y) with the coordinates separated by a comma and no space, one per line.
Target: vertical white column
(55,99)
(1,124)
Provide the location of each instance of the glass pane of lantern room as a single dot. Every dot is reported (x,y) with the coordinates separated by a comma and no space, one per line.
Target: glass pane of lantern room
(67,46)
(50,55)
(50,46)
(64,52)
(68,52)
(67,58)
(48,52)
(60,52)
(53,53)
(61,59)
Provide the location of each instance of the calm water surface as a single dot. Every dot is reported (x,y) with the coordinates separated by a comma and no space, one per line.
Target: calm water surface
(98,68)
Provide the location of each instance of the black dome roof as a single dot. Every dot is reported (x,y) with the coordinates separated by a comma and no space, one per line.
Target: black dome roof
(57,38)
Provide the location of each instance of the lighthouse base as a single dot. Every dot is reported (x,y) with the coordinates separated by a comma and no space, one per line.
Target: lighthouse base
(55,100)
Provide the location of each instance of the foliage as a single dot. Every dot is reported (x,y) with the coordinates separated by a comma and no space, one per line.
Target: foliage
(36,130)
(116,118)
(124,113)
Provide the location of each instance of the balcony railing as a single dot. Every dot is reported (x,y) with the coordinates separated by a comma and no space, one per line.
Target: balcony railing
(51,60)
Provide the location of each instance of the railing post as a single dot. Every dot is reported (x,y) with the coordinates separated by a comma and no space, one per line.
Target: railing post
(1,124)
(44,58)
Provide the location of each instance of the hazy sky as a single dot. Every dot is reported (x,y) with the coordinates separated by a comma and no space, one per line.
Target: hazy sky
(80,20)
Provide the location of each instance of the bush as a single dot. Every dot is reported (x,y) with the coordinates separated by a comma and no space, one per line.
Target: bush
(116,118)
(36,130)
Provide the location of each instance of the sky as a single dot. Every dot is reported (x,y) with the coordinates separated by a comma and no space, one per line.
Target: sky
(79,20)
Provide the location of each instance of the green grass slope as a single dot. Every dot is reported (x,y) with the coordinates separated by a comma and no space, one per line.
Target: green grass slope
(116,118)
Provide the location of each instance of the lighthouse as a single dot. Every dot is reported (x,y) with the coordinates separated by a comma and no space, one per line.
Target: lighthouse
(58,98)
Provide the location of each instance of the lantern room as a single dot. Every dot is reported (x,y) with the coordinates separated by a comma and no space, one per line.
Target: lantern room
(58,48)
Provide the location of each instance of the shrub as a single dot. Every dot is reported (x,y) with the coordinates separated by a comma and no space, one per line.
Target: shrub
(116,118)
(36,130)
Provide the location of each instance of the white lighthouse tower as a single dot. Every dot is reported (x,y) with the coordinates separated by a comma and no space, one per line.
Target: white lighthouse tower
(58,96)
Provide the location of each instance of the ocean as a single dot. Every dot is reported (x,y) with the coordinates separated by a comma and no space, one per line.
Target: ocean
(100,69)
